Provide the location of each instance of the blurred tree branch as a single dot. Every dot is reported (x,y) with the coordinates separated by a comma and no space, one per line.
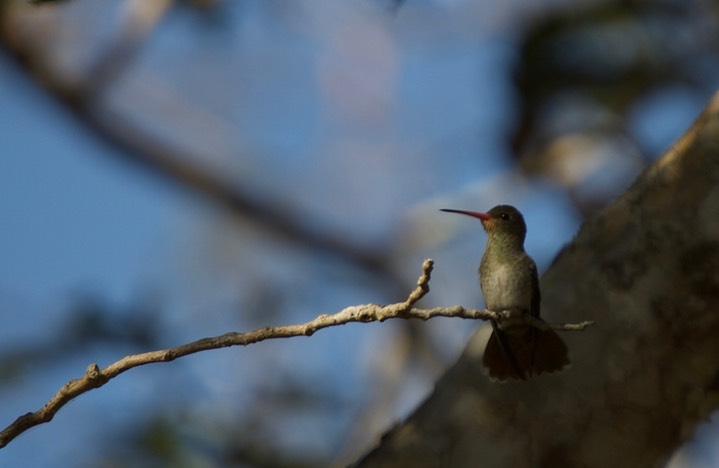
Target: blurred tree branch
(95,377)
(84,100)
(647,269)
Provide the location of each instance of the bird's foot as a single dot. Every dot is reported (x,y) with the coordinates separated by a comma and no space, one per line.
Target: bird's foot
(511,318)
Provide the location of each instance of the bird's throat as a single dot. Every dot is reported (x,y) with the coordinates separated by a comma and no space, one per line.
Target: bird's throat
(503,246)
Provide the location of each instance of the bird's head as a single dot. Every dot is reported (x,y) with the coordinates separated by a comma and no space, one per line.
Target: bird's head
(501,221)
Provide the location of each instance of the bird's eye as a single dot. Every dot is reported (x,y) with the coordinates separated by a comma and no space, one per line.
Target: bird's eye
(504,216)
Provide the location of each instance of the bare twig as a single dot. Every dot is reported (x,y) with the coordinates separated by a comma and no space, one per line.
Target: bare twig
(95,377)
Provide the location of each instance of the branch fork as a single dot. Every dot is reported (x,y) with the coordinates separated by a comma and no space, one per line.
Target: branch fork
(96,377)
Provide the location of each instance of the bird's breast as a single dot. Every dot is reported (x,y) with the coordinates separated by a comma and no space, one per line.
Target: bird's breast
(505,287)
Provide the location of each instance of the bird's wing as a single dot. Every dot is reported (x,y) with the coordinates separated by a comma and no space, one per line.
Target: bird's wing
(536,295)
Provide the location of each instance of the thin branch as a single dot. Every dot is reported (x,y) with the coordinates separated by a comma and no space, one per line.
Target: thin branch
(95,377)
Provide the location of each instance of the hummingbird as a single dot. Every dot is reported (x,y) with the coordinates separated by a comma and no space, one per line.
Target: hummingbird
(509,282)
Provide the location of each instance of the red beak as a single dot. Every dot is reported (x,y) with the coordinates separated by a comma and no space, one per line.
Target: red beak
(474,214)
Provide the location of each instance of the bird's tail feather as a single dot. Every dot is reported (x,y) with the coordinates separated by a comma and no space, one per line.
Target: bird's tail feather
(520,354)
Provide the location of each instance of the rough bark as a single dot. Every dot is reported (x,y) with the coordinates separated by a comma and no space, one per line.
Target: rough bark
(646,269)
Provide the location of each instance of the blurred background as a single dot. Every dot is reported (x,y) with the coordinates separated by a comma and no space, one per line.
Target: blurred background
(172,170)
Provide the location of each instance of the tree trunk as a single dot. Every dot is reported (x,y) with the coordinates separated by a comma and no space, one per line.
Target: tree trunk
(646,269)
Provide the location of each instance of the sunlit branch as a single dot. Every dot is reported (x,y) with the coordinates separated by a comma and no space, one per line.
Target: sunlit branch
(95,377)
